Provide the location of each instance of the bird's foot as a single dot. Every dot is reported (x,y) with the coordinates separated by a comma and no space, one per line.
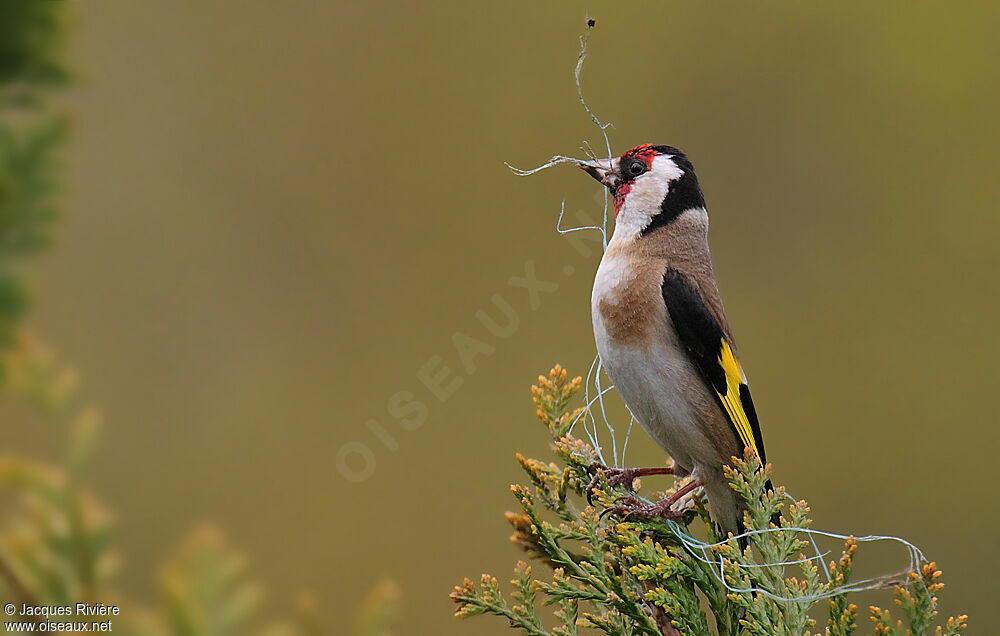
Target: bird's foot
(619,476)
(631,509)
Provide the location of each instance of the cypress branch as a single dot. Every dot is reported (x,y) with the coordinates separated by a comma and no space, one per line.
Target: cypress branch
(652,577)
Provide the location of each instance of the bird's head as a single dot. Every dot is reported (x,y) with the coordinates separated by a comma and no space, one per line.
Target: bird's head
(651,186)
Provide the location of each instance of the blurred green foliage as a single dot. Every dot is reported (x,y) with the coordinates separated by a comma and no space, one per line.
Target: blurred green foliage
(31,41)
(56,537)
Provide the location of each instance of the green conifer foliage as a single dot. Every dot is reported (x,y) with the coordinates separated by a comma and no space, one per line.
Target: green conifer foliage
(638,577)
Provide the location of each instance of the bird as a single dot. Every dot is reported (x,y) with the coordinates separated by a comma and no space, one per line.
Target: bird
(662,333)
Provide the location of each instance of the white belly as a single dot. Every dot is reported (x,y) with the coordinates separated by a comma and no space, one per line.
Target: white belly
(660,385)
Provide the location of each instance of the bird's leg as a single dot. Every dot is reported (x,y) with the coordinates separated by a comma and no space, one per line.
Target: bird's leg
(631,510)
(619,476)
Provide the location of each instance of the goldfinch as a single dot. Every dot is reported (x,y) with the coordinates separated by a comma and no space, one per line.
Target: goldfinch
(662,333)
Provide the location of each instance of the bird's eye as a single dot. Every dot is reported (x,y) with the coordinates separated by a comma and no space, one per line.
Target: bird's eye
(636,168)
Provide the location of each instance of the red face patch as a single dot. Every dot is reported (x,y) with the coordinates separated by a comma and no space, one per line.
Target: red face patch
(620,193)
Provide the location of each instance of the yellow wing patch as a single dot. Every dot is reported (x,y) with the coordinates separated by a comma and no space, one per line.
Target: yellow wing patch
(731,400)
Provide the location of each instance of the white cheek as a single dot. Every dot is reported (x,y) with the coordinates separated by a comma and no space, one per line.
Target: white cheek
(647,192)
(643,200)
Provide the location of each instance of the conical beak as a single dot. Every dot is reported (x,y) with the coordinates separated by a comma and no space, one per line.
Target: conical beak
(604,170)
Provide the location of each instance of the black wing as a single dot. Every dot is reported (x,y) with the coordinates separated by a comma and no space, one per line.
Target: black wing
(706,343)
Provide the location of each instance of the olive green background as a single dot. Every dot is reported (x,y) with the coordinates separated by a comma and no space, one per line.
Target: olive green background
(278,213)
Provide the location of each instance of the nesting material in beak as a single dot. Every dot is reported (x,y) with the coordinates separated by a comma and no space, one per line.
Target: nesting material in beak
(604,170)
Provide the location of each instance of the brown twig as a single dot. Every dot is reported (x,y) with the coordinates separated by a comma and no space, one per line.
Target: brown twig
(661,618)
